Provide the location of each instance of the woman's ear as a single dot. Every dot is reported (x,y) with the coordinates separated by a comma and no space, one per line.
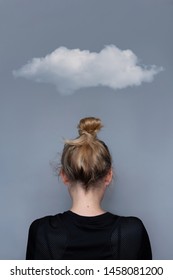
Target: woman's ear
(108,177)
(64,178)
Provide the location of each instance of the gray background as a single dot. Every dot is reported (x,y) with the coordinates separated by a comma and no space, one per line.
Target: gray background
(34,118)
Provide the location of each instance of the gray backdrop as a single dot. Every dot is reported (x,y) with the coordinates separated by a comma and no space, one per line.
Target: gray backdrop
(34,118)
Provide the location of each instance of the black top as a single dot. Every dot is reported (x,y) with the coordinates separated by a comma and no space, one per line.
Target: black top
(69,236)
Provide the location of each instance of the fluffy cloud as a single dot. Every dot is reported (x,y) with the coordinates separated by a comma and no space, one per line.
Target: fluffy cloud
(70,70)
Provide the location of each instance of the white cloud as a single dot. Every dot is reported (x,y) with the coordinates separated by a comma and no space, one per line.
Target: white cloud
(70,70)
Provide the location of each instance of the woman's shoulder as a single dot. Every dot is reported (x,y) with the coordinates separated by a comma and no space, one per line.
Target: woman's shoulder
(41,220)
(127,219)
(127,223)
(132,225)
(131,219)
(52,221)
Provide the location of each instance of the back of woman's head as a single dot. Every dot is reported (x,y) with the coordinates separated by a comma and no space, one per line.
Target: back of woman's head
(86,159)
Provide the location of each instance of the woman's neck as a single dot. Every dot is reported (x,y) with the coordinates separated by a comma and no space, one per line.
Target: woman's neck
(86,203)
(87,210)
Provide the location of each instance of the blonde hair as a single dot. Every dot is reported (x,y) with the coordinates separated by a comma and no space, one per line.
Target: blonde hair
(86,159)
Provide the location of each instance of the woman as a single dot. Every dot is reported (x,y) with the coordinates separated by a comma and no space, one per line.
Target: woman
(87,231)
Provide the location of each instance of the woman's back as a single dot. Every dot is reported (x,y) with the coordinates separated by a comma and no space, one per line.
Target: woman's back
(71,236)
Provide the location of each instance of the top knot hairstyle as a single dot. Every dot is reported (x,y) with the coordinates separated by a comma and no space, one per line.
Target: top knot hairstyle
(89,126)
(86,159)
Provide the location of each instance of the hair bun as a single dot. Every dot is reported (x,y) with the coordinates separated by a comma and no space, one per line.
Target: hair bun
(90,126)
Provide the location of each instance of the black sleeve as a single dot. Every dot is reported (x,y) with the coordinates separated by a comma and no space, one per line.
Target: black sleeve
(145,250)
(134,243)
(30,251)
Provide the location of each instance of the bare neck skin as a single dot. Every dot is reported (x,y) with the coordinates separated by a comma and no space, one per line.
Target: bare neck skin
(87,203)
